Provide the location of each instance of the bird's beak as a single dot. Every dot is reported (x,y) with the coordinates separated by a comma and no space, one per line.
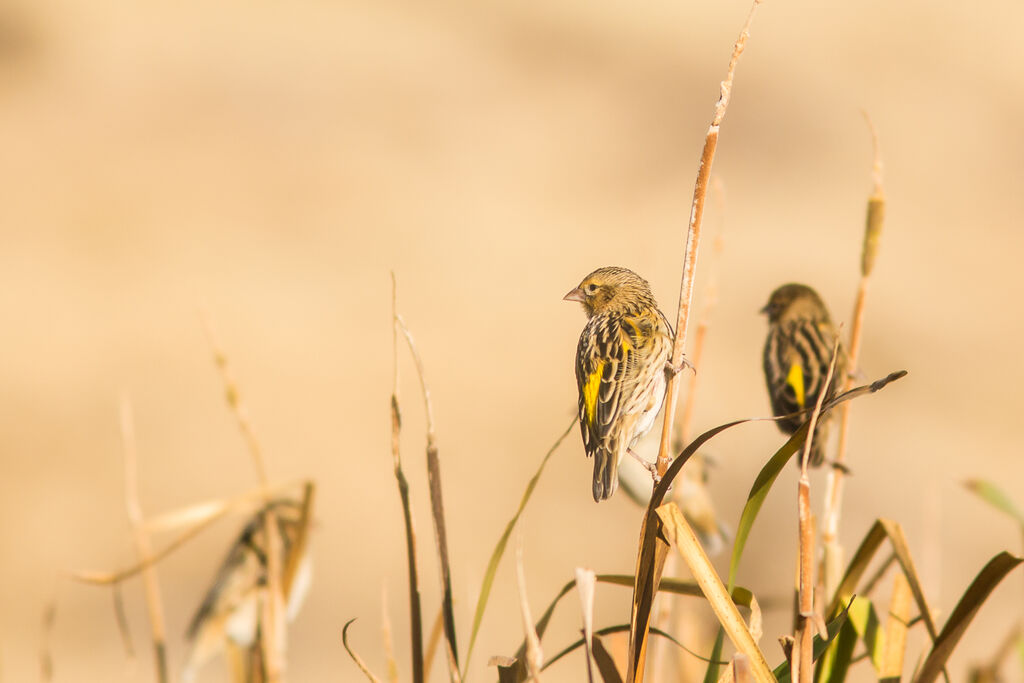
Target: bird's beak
(574,295)
(764,310)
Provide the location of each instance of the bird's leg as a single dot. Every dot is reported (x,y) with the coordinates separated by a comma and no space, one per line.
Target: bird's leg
(673,370)
(649,466)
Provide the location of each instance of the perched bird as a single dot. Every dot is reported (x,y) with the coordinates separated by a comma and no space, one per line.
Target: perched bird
(229,617)
(621,363)
(797,354)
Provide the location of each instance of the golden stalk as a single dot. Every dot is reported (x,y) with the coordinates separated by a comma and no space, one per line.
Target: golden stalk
(803,654)
(700,192)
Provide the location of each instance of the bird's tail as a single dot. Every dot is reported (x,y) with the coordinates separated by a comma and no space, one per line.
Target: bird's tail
(606,474)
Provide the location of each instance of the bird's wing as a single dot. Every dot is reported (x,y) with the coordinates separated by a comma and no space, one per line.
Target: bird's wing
(607,375)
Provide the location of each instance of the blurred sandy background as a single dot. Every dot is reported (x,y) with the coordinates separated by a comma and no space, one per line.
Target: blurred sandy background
(276,160)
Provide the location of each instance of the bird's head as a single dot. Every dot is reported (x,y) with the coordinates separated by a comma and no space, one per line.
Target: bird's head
(793,302)
(612,290)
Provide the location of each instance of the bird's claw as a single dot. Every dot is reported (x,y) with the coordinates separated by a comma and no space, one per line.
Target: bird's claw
(674,370)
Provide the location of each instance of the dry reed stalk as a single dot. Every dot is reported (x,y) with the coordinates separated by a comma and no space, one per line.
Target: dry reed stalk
(415,608)
(150,582)
(437,511)
(700,191)
(695,471)
(653,551)
(803,653)
(272,632)
(833,555)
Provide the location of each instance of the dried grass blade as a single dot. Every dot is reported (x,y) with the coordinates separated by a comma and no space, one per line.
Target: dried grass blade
(896,628)
(356,658)
(415,607)
(606,663)
(436,507)
(682,537)
(970,602)
(650,564)
(499,548)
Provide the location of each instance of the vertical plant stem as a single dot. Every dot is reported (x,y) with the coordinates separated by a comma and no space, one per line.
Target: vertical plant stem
(437,511)
(833,559)
(700,192)
(803,652)
(150,582)
(415,609)
(652,550)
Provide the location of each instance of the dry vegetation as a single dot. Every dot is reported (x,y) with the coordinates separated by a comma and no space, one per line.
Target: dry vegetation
(838,621)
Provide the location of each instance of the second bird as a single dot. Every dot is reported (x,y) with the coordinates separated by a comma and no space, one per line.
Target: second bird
(797,354)
(621,362)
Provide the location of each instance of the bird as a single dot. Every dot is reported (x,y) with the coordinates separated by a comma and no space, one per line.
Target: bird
(797,355)
(229,618)
(622,361)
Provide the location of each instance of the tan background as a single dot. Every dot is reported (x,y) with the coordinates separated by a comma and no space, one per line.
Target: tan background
(276,160)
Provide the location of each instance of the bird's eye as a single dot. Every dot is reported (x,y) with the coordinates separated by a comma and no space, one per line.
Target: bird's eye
(591,288)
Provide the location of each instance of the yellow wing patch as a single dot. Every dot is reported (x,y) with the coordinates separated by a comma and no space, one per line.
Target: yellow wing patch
(795,379)
(590,390)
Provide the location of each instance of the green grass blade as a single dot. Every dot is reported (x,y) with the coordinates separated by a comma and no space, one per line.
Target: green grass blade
(996,497)
(499,549)
(970,602)
(711,674)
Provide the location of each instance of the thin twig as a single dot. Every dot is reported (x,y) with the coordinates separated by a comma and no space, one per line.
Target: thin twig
(833,561)
(415,608)
(803,654)
(154,603)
